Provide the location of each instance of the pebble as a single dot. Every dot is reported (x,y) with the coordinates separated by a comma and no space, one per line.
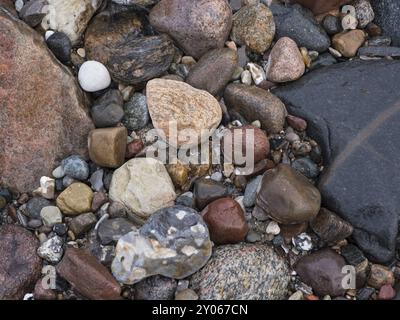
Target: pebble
(67,181)
(331,24)
(155,288)
(242,272)
(285,61)
(35,205)
(386,292)
(186,199)
(93,76)
(225,220)
(254,27)
(96,180)
(349,22)
(60,229)
(299,201)
(322,270)
(206,191)
(34,223)
(187,294)
(75,199)
(196,27)
(273,228)
(143,186)
(58,172)
(136,113)
(33,12)
(51,250)
(3,202)
(250,193)
(82,223)
(364,12)
(107,146)
(88,276)
(380,275)
(217,176)
(75,167)
(330,227)
(61,46)
(348,43)
(297,123)
(174,243)
(292,137)
(107,110)
(253,236)
(365,293)
(246,77)
(214,70)
(42,293)
(307,167)
(47,188)
(111,230)
(257,73)
(51,216)
(379,41)
(376,51)
(302,242)
(133,148)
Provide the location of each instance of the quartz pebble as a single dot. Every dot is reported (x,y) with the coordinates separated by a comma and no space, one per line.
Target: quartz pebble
(93,76)
(51,250)
(51,215)
(257,73)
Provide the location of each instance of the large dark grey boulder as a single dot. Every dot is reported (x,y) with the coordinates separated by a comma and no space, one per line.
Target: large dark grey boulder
(387,16)
(353,110)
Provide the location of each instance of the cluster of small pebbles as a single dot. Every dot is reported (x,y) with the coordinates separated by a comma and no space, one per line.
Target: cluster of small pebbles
(83,203)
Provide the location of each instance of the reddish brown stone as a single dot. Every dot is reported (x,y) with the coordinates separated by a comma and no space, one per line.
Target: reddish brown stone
(261,167)
(41,293)
(386,292)
(99,198)
(20,266)
(225,220)
(321,6)
(259,147)
(296,123)
(133,148)
(379,276)
(43,114)
(9,5)
(88,276)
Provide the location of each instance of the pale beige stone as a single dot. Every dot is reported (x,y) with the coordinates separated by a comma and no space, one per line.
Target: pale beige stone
(348,42)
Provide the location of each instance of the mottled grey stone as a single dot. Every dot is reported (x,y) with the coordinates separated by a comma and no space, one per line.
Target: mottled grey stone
(155,288)
(250,193)
(75,167)
(387,16)
(136,112)
(111,230)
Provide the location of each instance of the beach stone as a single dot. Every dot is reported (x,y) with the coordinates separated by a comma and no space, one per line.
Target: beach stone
(376,51)
(242,272)
(306,167)
(379,276)
(51,215)
(75,167)
(364,12)
(299,24)
(133,148)
(76,199)
(107,146)
(206,191)
(319,7)
(196,26)
(173,243)
(60,45)
(107,110)
(136,2)
(254,103)
(136,113)
(20,267)
(179,173)
(386,292)
(41,293)
(56,110)
(112,230)
(348,42)
(88,276)
(123,41)
(70,17)
(51,250)
(33,12)
(322,270)
(226,221)
(155,288)
(214,70)
(82,223)
(186,294)
(387,15)
(96,180)
(343,134)
(287,196)
(332,24)
(285,62)
(93,76)
(192,110)
(253,27)
(250,193)
(143,186)
(35,205)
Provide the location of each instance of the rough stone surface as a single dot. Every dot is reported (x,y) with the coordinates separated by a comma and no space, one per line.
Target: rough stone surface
(322,270)
(76,199)
(173,243)
(299,24)
(287,196)
(51,250)
(82,223)
(143,186)
(50,102)
(155,288)
(214,70)
(136,113)
(122,41)
(192,110)
(20,267)
(197,26)
(355,108)
(256,104)
(35,206)
(253,27)
(242,272)
(111,230)
(387,16)
(285,61)
(88,276)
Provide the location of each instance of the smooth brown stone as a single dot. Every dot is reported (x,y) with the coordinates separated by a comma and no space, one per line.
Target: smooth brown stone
(88,276)
(237,140)
(296,123)
(287,196)
(254,103)
(380,275)
(40,293)
(82,223)
(321,6)
(214,70)
(20,266)
(133,148)
(107,146)
(197,26)
(225,220)
(76,199)
(322,270)
(179,174)
(348,42)
(206,191)
(44,114)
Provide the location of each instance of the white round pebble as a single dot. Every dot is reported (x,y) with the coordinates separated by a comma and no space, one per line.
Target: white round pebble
(81,52)
(217,176)
(273,228)
(18,5)
(48,34)
(93,76)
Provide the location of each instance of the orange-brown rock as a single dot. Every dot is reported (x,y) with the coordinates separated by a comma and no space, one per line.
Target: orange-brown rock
(43,114)
(348,42)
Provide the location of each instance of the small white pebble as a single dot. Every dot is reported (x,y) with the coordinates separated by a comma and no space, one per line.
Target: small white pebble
(81,52)
(273,228)
(48,34)
(93,76)
(334,52)
(257,73)
(217,176)
(245,77)
(18,5)
(256,123)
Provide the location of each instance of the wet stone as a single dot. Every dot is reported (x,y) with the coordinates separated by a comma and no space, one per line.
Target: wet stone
(35,206)
(206,190)
(111,230)
(136,113)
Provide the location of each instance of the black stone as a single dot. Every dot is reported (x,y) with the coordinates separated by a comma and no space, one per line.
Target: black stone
(6,194)
(299,24)
(60,229)
(206,191)
(324,60)
(350,109)
(107,110)
(365,293)
(32,12)
(387,16)
(306,167)
(60,45)
(332,24)
(352,254)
